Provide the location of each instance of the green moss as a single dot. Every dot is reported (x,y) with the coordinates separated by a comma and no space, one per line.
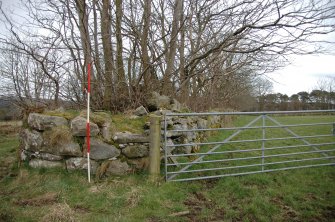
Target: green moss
(99,118)
(68,114)
(125,123)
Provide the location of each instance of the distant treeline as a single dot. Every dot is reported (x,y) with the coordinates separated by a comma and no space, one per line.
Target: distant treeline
(315,100)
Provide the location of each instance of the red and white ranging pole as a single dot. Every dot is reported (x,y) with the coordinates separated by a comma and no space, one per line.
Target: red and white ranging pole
(88,121)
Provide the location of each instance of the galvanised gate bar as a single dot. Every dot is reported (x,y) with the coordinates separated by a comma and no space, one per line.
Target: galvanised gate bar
(251,142)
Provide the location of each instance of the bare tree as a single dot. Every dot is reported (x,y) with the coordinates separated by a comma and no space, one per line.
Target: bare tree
(207,50)
(262,88)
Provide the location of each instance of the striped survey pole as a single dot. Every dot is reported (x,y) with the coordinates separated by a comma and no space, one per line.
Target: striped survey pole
(88,121)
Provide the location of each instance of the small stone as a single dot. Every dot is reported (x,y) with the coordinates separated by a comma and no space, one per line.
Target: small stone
(37,163)
(66,149)
(122,146)
(135,151)
(127,137)
(141,111)
(79,163)
(118,168)
(49,156)
(31,140)
(106,131)
(101,150)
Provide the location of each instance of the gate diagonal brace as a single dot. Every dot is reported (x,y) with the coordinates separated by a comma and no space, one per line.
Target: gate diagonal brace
(296,135)
(215,148)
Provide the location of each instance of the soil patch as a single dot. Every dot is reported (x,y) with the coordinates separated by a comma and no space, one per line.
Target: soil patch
(45,199)
(196,203)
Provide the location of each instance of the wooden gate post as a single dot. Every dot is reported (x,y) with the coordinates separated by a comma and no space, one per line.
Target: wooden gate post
(154,146)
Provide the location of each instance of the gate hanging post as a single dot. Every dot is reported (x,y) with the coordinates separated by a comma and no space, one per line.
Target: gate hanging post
(154,146)
(88,121)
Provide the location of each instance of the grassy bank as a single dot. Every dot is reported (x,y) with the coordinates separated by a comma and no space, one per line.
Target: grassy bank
(55,195)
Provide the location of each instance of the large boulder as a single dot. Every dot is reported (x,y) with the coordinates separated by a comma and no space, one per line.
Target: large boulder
(136,151)
(141,111)
(157,101)
(170,134)
(101,150)
(169,123)
(80,163)
(176,106)
(78,127)
(117,167)
(183,150)
(62,149)
(28,155)
(139,163)
(127,137)
(44,122)
(202,123)
(37,163)
(170,145)
(31,140)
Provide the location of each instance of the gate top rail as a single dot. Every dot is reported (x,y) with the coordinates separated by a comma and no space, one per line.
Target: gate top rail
(249,113)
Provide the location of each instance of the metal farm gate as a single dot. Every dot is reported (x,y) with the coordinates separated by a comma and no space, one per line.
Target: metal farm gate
(213,145)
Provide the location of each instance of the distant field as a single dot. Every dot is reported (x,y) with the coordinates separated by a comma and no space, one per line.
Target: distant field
(55,195)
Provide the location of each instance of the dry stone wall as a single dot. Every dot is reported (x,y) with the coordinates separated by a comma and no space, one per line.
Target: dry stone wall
(53,141)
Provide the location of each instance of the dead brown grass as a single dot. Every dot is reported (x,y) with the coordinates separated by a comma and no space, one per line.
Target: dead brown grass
(10,128)
(58,135)
(133,197)
(60,212)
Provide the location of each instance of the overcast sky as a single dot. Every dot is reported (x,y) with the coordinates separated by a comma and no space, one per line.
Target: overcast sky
(303,74)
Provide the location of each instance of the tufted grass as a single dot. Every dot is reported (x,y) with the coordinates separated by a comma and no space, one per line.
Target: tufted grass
(28,194)
(126,123)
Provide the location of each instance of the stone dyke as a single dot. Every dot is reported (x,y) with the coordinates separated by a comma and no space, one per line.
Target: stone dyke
(53,141)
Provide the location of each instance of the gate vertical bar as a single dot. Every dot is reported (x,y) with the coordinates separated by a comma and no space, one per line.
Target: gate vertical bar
(165,148)
(263,141)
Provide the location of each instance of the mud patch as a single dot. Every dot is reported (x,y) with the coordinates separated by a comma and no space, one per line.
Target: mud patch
(329,213)
(81,209)
(196,203)
(210,183)
(6,216)
(45,199)
(288,212)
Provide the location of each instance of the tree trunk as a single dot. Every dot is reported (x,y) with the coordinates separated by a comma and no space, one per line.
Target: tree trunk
(144,45)
(182,73)
(121,79)
(167,87)
(106,24)
(99,89)
(84,36)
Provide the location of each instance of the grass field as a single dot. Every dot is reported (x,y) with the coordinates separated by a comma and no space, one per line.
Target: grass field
(55,195)
(243,153)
